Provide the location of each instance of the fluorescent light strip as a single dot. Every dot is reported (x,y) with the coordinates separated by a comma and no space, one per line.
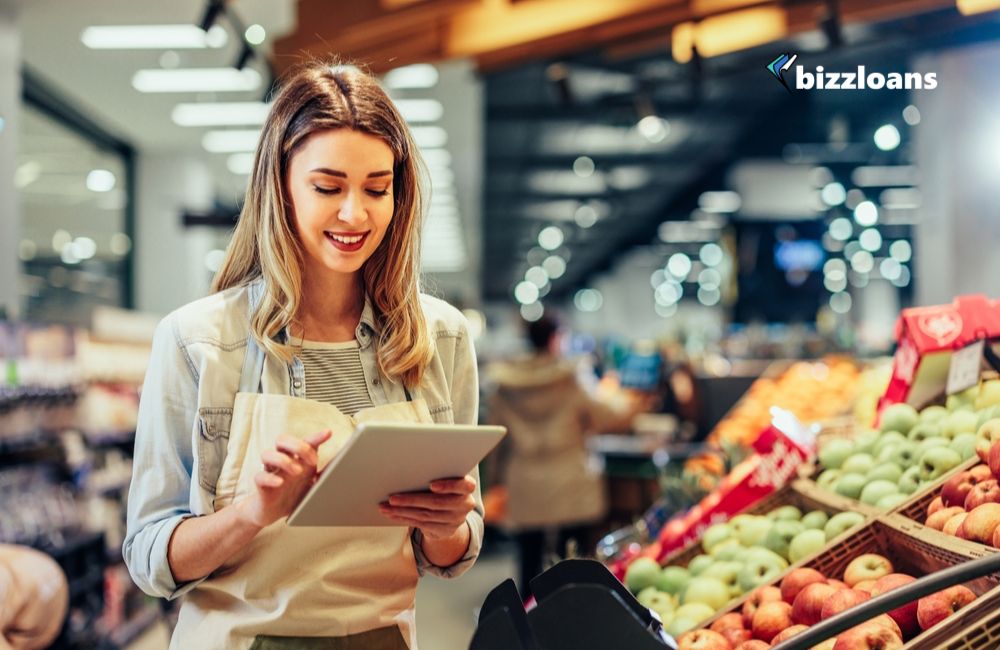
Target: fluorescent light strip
(420,110)
(233,141)
(420,75)
(152,37)
(240,164)
(429,136)
(220,113)
(196,80)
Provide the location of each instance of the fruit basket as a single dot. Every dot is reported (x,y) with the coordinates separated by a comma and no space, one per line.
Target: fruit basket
(977,634)
(909,553)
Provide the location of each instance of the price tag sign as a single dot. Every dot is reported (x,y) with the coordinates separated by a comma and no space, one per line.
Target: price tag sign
(964,370)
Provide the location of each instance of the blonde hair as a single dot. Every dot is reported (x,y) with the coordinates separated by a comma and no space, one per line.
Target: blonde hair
(318,97)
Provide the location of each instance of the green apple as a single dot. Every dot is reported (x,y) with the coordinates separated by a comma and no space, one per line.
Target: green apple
(899,417)
(785,513)
(910,481)
(986,414)
(699,563)
(679,625)
(750,529)
(987,434)
(726,572)
(805,544)
(964,400)
(858,464)
(989,394)
(890,501)
(864,442)
(960,422)
(886,471)
(761,566)
(715,534)
(876,490)
(905,454)
(885,440)
(641,573)
(828,479)
(924,430)
(705,589)
(730,549)
(936,462)
(850,485)
(663,606)
(697,612)
(965,445)
(840,522)
(933,414)
(815,519)
(646,596)
(781,535)
(834,452)
(673,579)
(931,443)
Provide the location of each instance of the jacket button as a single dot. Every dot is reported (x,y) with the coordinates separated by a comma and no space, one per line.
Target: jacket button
(297,383)
(375,381)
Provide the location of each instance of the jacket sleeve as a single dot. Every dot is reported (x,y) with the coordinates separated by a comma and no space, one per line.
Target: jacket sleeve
(465,407)
(159,495)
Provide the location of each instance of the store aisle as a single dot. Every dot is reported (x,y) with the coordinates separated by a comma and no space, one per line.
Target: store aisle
(446,610)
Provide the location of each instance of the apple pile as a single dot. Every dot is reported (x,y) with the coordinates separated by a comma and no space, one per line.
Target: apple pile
(969,503)
(882,468)
(805,597)
(739,556)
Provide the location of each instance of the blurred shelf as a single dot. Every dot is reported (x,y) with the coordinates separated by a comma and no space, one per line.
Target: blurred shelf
(136,625)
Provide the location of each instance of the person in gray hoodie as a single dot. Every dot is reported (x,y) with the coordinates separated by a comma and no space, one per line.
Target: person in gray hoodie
(553,491)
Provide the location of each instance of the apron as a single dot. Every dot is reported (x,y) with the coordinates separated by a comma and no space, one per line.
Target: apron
(331,588)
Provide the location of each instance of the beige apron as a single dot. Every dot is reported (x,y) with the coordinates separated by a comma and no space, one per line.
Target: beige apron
(345,588)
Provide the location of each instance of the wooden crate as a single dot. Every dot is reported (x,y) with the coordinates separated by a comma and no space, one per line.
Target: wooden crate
(800,494)
(979,634)
(911,554)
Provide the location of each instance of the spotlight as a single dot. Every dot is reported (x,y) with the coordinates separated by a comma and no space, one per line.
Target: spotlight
(246,54)
(212,12)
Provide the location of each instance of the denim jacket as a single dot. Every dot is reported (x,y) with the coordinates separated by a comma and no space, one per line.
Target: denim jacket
(187,405)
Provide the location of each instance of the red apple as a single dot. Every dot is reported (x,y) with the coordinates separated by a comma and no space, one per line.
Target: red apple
(797,580)
(886,621)
(868,636)
(788,633)
(996,538)
(869,566)
(905,616)
(981,473)
(770,619)
(994,459)
(941,517)
(727,621)
(736,636)
(837,583)
(982,492)
(842,600)
(933,609)
(808,606)
(757,597)
(955,489)
(935,505)
(864,585)
(702,640)
(981,522)
(826,645)
(951,526)
(754,644)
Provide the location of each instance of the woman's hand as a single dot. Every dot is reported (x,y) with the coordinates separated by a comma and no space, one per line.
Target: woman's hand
(289,472)
(439,514)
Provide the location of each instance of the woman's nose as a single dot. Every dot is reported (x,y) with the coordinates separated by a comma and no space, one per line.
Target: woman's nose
(352,210)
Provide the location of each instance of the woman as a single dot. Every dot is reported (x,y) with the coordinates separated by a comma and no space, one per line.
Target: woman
(316,322)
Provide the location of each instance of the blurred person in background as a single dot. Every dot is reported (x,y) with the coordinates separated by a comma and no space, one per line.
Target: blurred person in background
(553,491)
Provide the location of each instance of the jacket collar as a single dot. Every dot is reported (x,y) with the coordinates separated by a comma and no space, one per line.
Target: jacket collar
(256,292)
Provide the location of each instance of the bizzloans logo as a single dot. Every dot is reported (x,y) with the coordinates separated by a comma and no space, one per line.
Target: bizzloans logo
(860,79)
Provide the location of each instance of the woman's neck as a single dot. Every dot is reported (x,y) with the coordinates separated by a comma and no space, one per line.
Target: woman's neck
(330,308)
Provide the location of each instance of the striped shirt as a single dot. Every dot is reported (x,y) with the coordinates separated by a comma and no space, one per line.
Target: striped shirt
(334,375)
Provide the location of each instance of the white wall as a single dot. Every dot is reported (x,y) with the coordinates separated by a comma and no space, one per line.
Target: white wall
(169,259)
(10,102)
(958,152)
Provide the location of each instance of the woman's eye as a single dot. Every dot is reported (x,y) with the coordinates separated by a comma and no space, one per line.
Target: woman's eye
(326,190)
(379,192)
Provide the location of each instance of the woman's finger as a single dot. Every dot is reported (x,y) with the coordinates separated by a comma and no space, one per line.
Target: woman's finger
(421,516)
(430,501)
(314,440)
(267,480)
(277,461)
(464,485)
(300,449)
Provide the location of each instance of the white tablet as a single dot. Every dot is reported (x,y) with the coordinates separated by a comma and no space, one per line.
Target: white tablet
(383,459)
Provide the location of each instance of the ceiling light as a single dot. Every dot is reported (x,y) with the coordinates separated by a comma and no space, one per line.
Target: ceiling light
(537,276)
(551,238)
(719,202)
(152,37)
(904,277)
(885,176)
(658,277)
(585,216)
(835,282)
(840,302)
(583,167)
(679,265)
(555,266)
(834,194)
(84,248)
(841,229)
(887,137)
(219,113)
(653,128)
(255,34)
(526,292)
(970,7)
(26,250)
(870,240)
(214,259)
(911,115)
(121,244)
(100,180)
(532,312)
(709,296)
(240,164)
(436,157)
(710,278)
(196,80)
(866,214)
(588,300)
(900,250)
(420,75)
(862,262)
(419,110)
(728,32)
(711,254)
(230,141)
(27,173)
(429,136)
(890,269)
(170,60)
(668,293)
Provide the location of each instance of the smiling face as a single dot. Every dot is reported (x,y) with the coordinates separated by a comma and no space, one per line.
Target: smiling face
(340,186)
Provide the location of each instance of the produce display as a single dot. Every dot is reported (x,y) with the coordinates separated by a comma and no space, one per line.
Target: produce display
(805,597)
(738,557)
(910,450)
